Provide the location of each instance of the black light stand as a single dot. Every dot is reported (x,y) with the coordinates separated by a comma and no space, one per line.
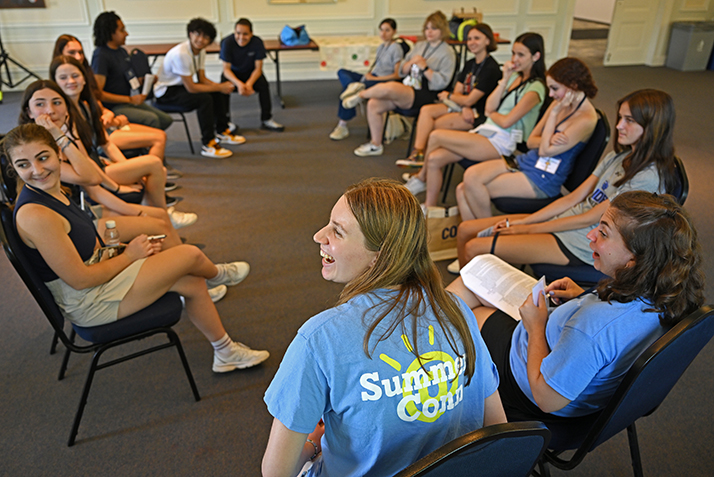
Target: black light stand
(5,60)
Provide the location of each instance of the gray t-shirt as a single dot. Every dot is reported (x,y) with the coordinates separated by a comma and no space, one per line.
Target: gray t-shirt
(609,170)
(388,55)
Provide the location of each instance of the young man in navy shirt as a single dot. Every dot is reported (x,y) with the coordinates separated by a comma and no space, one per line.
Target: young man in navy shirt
(242,54)
(116,79)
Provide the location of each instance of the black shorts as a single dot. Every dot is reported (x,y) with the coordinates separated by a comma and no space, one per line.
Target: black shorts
(573,261)
(421,97)
(497,333)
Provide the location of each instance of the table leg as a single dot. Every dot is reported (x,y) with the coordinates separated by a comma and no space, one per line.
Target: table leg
(276,60)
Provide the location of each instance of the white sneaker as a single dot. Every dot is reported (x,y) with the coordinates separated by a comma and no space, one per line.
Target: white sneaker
(339,133)
(352,101)
(369,149)
(352,88)
(241,357)
(226,137)
(212,149)
(230,274)
(181,219)
(272,125)
(454,267)
(415,185)
(217,293)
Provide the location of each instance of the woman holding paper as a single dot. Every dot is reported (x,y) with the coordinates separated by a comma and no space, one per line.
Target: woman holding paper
(361,367)
(568,363)
(643,159)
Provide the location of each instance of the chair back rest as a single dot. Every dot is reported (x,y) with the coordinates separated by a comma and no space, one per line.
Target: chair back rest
(11,244)
(139,63)
(509,450)
(8,182)
(681,190)
(653,375)
(588,158)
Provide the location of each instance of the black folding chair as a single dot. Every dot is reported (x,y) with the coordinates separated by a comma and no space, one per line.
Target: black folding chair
(508,450)
(157,318)
(642,390)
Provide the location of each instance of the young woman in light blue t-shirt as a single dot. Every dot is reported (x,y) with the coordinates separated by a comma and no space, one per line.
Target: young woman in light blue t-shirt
(392,372)
(568,362)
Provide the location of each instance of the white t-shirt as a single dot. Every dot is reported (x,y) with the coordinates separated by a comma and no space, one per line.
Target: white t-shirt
(179,61)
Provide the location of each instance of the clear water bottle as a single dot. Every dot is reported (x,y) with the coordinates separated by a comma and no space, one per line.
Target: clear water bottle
(111,238)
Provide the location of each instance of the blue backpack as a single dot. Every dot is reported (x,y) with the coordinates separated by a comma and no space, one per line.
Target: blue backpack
(294,36)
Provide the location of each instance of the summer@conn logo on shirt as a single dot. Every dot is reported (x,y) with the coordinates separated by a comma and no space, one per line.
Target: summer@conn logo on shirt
(414,384)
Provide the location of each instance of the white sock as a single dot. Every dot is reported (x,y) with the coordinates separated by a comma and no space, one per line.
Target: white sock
(342,123)
(222,347)
(218,279)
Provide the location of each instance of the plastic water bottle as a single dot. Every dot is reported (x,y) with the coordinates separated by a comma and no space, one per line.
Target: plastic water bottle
(111,238)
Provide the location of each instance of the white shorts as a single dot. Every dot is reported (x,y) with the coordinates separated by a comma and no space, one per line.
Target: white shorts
(499,138)
(96,305)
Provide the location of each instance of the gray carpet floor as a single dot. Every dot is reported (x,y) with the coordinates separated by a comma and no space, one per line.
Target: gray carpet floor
(263,205)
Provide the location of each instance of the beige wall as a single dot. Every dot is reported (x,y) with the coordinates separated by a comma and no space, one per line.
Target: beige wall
(29,34)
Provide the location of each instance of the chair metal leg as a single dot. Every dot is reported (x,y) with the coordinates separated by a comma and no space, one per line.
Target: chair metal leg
(188,133)
(173,338)
(446,180)
(83,399)
(410,144)
(634,450)
(65,359)
(53,346)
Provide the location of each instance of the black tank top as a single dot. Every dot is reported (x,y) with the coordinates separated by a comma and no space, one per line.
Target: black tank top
(82,232)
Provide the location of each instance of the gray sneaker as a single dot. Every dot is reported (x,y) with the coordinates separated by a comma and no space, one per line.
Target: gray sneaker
(353,88)
(415,185)
(241,357)
(272,125)
(352,101)
(230,274)
(339,133)
(369,149)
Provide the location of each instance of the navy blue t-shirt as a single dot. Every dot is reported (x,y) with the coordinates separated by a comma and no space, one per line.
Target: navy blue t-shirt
(115,65)
(242,58)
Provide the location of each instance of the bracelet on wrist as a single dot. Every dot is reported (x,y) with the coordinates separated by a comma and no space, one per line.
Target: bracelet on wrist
(315,446)
(59,138)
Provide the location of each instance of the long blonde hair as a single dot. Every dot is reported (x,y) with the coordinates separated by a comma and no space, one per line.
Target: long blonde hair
(393,224)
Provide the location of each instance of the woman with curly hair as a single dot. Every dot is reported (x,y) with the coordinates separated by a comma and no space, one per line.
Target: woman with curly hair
(554,145)
(568,363)
(396,369)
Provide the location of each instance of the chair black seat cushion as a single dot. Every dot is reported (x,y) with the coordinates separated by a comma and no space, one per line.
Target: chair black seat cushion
(164,312)
(171,108)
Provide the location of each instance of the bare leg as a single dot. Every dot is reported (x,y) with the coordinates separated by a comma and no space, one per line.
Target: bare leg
(469,229)
(183,269)
(140,136)
(131,227)
(486,180)
(428,115)
(447,146)
(148,167)
(385,97)
(526,248)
